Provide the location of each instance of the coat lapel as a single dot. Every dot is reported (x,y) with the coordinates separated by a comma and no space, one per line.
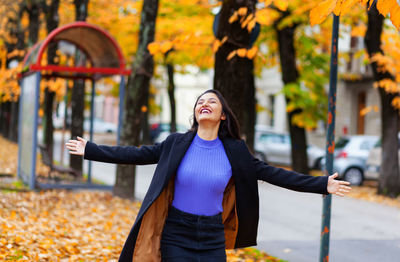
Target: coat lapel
(230,151)
(178,152)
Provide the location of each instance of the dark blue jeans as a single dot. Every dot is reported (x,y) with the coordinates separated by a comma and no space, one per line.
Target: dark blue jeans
(192,238)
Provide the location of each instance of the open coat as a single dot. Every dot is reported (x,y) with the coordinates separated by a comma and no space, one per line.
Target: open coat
(240,202)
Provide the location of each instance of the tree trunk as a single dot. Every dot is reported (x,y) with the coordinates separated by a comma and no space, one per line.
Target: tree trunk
(234,78)
(389,178)
(81,9)
(13,132)
(5,121)
(52,21)
(290,75)
(136,98)
(78,91)
(33,13)
(171,94)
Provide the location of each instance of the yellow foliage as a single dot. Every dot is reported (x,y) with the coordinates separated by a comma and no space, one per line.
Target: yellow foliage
(266,16)
(154,48)
(281,4)
(389,85)
(319,13)
(344,6)
(166,46)
(384,7)
(359,30)
(340,7)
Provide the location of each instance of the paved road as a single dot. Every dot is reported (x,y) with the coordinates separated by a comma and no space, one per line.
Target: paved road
(290,222)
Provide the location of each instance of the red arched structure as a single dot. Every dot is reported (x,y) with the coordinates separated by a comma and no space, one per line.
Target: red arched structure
(100,48)
(105,59)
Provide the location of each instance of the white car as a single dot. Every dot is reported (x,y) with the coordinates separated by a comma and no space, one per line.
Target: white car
(351,153)
(274,147)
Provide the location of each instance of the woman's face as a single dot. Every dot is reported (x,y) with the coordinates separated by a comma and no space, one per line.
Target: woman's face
(209,109)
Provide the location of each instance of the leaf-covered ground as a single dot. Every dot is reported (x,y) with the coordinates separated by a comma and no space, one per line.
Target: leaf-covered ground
(73,226)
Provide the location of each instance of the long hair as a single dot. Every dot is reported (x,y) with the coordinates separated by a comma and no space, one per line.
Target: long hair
(228,127)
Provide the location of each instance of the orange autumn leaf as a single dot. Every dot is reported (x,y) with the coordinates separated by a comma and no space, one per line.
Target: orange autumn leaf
(251,24)
(384,7)
(395,15)
(242,11)
(396,102)
(251,53)
(264,17)
(216,45)
(154,48)
(166,46)
(233,18)
(344,7)
(242,52)
(319,13)
(231,55)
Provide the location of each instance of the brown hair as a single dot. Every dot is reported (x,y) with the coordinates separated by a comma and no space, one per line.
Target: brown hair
(228,127)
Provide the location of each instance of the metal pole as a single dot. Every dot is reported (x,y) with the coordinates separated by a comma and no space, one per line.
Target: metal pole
(91,126)
(330,145)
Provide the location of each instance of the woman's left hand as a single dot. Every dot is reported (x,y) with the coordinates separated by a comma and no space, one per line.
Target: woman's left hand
(337,187)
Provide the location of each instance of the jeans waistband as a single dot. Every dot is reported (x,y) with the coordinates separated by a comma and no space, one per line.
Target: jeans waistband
(174,212)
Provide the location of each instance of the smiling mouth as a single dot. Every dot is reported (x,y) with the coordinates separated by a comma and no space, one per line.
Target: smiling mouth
(205,111)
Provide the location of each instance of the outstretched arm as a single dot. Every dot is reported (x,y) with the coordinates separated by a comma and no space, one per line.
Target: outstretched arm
(115,154)
(299,182)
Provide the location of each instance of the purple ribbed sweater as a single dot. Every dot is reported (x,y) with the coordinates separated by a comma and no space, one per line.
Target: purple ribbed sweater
(202,177)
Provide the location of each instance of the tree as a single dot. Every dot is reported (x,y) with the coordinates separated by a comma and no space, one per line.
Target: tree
(52,21)
(389,178)
(290,76)
(136,96)
(234,76)
(78,90)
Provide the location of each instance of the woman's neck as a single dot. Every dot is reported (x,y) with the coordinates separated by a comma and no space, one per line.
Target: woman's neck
(207,133)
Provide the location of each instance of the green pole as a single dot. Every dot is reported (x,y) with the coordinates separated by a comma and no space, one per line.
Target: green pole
(330,145)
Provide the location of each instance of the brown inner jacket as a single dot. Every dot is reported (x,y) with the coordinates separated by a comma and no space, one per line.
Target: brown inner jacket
(147,247)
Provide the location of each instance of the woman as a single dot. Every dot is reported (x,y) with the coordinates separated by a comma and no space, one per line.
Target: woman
(203,197)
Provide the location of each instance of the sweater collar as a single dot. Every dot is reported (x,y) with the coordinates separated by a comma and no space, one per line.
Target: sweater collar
(198,141)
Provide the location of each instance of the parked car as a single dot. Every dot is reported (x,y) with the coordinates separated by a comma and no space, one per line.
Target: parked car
(100,126)
(374,161)
(350,156)
(274,147)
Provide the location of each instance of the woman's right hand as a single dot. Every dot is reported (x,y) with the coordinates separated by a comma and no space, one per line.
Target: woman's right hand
(76,147)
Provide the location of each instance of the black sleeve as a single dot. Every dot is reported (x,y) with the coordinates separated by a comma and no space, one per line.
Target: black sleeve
(123,154)
(290,179)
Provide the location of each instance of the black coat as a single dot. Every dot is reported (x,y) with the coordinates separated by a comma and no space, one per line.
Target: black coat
(246,171)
